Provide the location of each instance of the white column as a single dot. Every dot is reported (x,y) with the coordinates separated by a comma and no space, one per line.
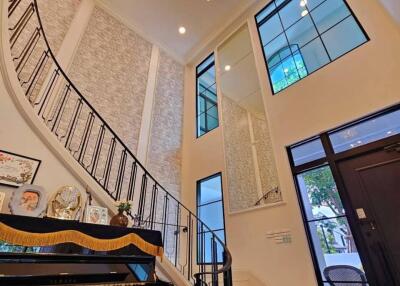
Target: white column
(145,127)
(70,44)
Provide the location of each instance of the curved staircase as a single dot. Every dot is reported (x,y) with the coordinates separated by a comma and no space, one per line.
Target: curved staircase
(84,140)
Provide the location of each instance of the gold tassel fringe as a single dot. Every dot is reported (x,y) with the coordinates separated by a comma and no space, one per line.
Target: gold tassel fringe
(28,239)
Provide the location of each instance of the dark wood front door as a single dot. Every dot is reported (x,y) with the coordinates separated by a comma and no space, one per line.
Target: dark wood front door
(372,182)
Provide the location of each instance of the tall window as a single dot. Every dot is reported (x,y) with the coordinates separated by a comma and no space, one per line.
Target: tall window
(301,36)
(207,106)
(210,210)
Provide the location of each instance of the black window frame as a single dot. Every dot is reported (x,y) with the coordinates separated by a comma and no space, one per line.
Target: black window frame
(331,160)
(199,232)
(280,7)
(198,75)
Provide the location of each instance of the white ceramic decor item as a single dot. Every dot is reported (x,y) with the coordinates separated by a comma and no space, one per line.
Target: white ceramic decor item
(29,200)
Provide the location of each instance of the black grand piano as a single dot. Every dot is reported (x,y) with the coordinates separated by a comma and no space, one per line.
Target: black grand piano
(46,251)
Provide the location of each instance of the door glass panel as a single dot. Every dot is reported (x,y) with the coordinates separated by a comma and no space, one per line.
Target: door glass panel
(319,194)
(308,152)
(329,230)
(366,131)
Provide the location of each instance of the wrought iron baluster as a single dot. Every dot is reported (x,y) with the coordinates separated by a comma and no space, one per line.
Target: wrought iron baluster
(13,5)
(71,127)
(99,144)
(21,24)
(120,174)
(132,181)
(110,159)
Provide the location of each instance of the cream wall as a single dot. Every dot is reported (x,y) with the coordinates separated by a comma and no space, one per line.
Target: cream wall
(357,84)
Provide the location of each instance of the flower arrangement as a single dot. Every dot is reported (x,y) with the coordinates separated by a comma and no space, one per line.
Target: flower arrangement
(124,206)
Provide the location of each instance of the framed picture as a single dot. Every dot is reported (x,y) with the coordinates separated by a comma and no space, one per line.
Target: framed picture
(96,215)
(17,170)
(29,200)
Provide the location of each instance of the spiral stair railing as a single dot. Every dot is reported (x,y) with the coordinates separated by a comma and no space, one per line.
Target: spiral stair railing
(191,246)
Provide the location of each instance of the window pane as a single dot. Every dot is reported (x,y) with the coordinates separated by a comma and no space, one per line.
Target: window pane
(308,152)
(319,30)
(210,190)
(291,13)
(329,13)
(366,132)
(319,194)
(302,32)
(206,62)
(271,29)
(205,251)
(206,97)
(212,215)
(314,55)
(342,38)
(334,246)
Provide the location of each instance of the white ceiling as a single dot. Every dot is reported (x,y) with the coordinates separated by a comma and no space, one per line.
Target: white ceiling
(158,20)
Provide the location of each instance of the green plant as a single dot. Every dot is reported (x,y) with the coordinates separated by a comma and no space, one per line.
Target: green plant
(124,206)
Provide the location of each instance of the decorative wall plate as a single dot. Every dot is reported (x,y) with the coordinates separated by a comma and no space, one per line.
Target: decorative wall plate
(66,203)
(29,200)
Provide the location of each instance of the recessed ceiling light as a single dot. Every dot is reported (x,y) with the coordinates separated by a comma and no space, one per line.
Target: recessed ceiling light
(303,3)
(304,13)
(227,68)
(182,30)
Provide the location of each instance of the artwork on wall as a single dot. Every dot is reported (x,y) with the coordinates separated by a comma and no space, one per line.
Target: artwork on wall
(28,200)
(2,197)
(96,215)
(17,170)
(66,203)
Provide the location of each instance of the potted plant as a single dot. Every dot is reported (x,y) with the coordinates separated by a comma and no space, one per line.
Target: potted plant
(120,219)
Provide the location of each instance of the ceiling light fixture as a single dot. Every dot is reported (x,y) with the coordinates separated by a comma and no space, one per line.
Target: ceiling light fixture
(182,30)
(303,3)
(304,13)
(227,68)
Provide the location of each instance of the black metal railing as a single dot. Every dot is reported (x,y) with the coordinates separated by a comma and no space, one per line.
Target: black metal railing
(191,246)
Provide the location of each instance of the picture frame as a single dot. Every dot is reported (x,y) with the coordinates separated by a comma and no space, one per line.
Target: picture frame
(96,215)
(17,170)
(29,200)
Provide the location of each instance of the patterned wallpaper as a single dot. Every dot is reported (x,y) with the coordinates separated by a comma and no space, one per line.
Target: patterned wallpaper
(265,158)
(110,68)
(164,152)
(241,170)
(238,156)
(57,16)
